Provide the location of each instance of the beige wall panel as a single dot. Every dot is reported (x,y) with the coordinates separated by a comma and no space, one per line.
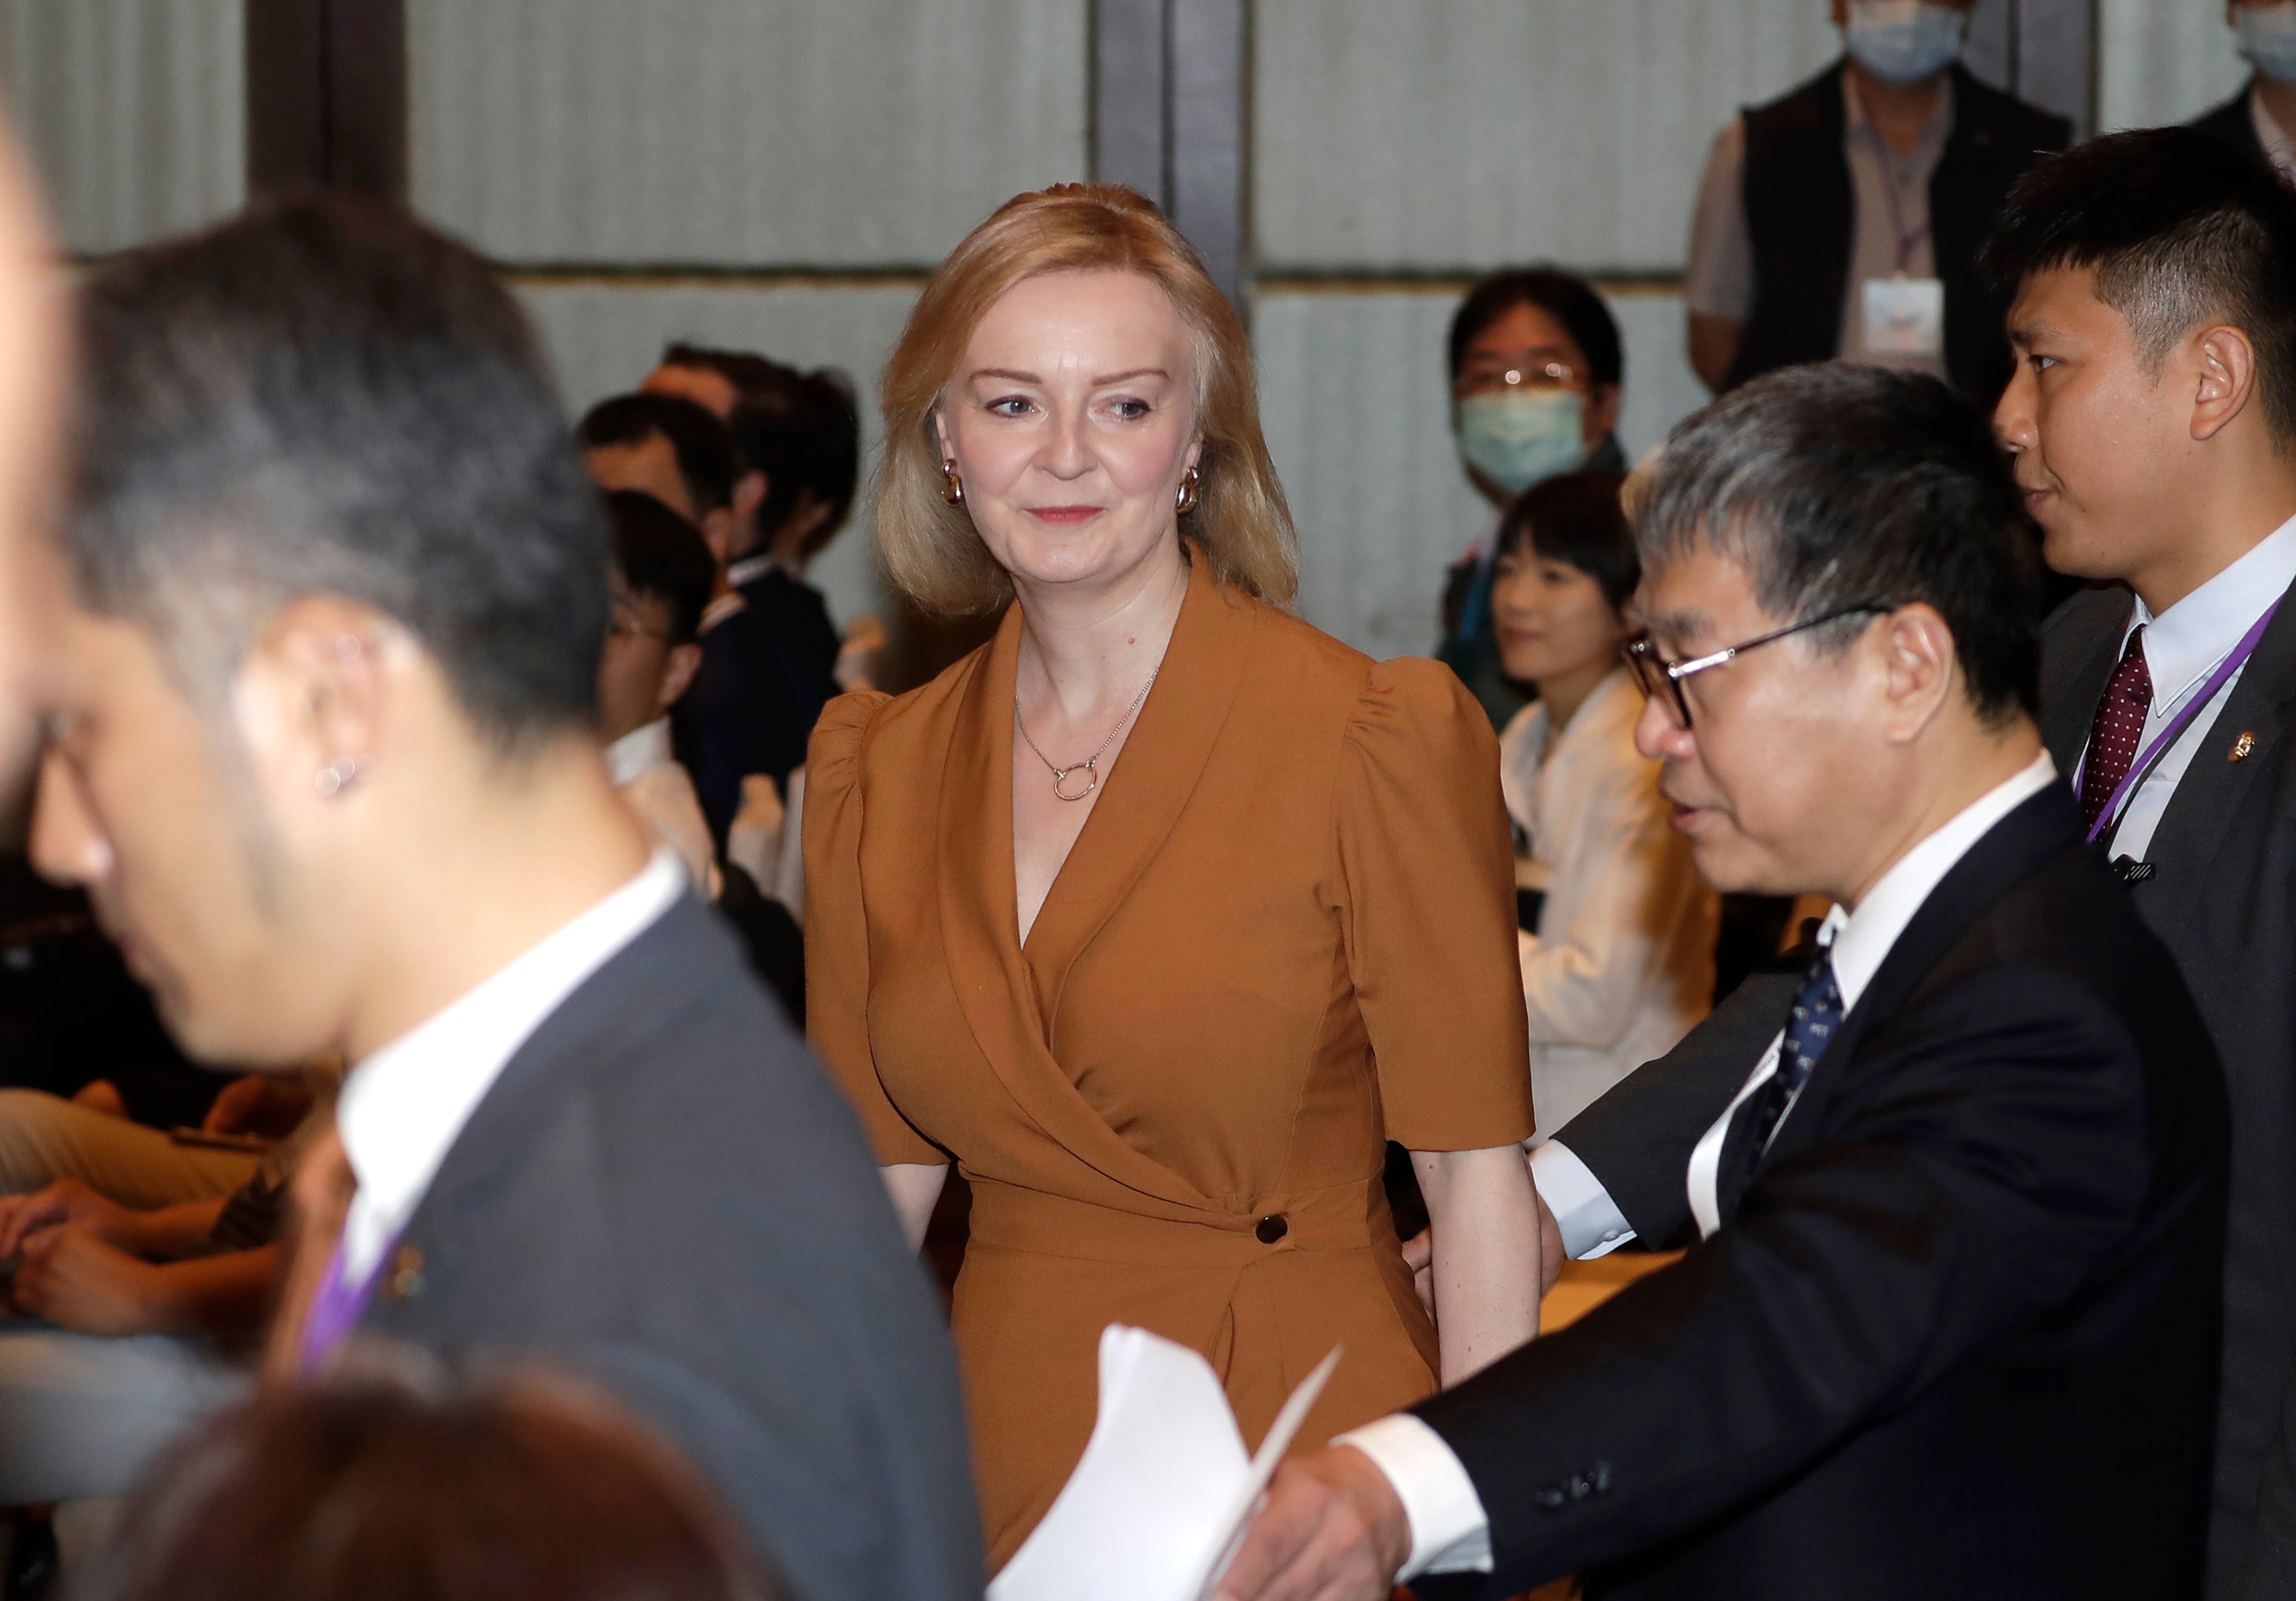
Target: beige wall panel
(1358,414)
(1450,133)
(135,111)
(2162,61)
(603,338)
(739,132)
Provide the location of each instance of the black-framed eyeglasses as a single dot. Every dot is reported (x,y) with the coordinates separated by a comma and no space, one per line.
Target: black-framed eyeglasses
(1653,671)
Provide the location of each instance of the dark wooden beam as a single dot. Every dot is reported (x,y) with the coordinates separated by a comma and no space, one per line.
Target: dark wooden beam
(326,95)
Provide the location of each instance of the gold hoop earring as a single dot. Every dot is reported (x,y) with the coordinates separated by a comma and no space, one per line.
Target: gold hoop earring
(1186,502)
(953,490)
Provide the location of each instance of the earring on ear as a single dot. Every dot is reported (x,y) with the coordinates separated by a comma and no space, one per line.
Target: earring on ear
(1186,502)
(953,493)
(336,776)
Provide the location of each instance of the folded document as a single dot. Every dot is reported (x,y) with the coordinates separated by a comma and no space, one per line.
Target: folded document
(1164,1493)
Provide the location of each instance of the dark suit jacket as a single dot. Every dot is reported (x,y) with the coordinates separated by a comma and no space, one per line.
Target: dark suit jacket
(2233,126)
(750,708)
(664,1192)
(1958,1335)
(796,614)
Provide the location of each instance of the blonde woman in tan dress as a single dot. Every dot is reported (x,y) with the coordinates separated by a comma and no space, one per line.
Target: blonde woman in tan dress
(1162,912)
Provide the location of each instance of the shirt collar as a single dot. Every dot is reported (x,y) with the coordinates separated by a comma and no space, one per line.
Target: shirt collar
(749,569)
(641,748)
(722,607)
(2199,630)
(403,1108)
(1861,940)
(1934,133)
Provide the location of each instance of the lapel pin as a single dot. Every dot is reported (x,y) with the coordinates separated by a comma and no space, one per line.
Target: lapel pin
(404,1279)
(2241,746)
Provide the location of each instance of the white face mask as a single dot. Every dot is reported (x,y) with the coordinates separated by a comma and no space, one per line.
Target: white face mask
(1899,41)
(2266,35)
(1517,437)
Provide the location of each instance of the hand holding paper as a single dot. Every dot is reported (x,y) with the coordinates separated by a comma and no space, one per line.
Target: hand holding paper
(1164,1493)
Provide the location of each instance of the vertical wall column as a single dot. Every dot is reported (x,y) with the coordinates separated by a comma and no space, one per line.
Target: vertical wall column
(2042,51)
(326,95)
(1171,116)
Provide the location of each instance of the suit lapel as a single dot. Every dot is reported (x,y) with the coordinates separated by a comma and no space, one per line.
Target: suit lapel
(2041,828)
(2082,647)
(2199,814)
(996,985)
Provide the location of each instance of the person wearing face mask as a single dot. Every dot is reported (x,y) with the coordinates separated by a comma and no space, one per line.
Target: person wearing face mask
(2258,121)
(1618,934)
(1845,219)
(1536,367)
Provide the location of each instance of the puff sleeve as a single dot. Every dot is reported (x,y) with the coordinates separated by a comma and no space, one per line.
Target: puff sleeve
(837,926)
(1428,871)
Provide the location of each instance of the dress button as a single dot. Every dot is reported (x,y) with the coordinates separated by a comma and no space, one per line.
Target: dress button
(1272,1229)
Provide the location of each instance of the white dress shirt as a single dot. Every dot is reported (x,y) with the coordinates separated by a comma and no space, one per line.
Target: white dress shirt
(1623,961)
(403,1108)
(660,791)
(2182,647)
(1451,1532)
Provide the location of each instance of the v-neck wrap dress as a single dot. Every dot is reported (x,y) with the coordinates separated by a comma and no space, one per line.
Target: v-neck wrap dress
(1285,935)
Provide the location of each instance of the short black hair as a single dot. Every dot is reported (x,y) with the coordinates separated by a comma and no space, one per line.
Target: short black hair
(1840,486)
(804,433)
(659,553)
(1578,519)
(2177,230)
(324,396)
(1566,296)
(703,447)
(747,371)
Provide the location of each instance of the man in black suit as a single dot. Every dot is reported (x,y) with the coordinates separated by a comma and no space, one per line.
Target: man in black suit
(2153,417)
(321,693)
(752,704)
(1950,1323)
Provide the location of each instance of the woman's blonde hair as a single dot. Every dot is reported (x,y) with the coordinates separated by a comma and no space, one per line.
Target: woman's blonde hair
(931,550)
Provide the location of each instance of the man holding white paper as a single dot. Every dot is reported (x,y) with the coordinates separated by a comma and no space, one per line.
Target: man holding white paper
(1950,1326)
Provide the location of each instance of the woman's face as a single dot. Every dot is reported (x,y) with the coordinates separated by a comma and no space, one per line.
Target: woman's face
(1554,619)
(1072,420)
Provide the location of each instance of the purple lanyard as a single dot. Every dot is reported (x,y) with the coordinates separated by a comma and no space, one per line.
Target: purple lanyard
(2110,817)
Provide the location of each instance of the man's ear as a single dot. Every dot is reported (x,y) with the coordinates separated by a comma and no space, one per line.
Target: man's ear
(1921,666)
(749,494)
(677,670)
(2227,363)
(312,696)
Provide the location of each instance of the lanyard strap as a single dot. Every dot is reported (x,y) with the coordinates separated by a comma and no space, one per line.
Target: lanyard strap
(2110,817)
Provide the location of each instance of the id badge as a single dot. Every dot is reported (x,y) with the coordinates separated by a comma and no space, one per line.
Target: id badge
(1904,316)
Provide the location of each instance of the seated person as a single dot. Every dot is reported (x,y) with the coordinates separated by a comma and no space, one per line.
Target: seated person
(752,707)
(1618,961)
(44,1138)
(661,583)
(147,1319)
(361,1491)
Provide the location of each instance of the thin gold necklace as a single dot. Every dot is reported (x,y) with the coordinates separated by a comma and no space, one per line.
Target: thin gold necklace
(1090,766)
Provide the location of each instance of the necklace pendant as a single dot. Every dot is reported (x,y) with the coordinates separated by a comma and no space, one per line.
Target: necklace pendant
(1091,776)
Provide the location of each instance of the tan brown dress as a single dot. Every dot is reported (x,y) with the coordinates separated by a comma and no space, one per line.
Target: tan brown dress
(1285,935)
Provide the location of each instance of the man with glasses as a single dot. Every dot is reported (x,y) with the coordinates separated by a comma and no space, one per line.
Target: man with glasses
(1949,1324)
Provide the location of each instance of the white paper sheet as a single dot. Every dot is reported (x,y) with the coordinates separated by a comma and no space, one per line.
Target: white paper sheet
(1163,1493)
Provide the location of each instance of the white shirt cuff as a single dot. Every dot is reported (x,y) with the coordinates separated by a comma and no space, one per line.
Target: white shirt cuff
(1451,1532)
(1590,1221)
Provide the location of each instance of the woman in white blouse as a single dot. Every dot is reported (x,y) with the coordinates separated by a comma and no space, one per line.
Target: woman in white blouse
(1618,962)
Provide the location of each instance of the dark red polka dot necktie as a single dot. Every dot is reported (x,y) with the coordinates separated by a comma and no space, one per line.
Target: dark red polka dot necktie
(2120,725)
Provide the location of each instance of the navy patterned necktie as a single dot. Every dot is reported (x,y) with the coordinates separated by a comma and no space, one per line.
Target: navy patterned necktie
(1811,1028)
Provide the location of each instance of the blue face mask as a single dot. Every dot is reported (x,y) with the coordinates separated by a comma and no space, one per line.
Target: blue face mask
(1517,437)
(2267,38)
(1899,41)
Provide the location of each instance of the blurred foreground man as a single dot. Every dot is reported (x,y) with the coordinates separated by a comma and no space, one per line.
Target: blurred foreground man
(322,748)
(1949,1325)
